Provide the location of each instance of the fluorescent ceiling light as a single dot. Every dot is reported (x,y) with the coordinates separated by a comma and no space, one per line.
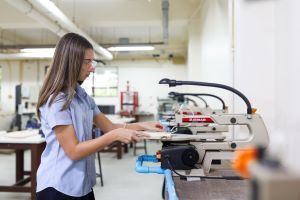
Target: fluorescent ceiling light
(131,48)
(38,50)
(59,17)
(53,8)
(21,56)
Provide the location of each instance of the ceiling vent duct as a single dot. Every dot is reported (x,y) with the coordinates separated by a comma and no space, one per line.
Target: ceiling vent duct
(54,20)
(165,20)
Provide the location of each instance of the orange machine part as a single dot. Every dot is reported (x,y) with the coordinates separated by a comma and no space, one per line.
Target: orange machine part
(242,161)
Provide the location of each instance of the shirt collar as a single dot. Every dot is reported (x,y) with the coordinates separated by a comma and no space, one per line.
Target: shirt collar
(80,91)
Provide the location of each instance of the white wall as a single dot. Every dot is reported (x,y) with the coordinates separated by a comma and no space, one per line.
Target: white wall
(267,68)
(209,52)
(254,57)
(14,73)
(10,78)
(287,94)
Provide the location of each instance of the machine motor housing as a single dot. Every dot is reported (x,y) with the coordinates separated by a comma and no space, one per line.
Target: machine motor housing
(179,157)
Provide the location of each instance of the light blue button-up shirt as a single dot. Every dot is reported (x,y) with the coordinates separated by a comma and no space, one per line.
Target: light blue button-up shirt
(57,170)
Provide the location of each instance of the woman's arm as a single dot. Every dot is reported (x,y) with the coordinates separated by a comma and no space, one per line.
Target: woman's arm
(145,126)
(106,125)
(75,151)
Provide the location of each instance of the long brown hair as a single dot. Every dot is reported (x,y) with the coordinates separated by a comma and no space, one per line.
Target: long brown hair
(64,70)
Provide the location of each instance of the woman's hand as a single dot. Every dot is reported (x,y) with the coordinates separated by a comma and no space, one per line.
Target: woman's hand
(128,135)
(150,126)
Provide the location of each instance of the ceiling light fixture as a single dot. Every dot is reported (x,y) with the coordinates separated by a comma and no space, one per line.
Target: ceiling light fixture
(132,48)
(38,50)
(22,56)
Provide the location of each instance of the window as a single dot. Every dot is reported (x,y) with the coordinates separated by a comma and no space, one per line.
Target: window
(103,83)
(106,82)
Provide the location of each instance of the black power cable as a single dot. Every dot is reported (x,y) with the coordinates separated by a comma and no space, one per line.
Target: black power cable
(173,83)
(184,177)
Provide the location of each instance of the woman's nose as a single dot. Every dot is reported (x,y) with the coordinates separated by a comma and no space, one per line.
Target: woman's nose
(92,68)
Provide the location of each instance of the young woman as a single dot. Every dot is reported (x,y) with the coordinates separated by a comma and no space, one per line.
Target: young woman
(67,114)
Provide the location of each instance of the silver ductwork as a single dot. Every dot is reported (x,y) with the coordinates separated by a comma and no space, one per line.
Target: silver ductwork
(54,20)
(165,20)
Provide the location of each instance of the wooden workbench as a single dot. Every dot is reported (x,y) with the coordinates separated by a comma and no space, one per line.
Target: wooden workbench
(36,145)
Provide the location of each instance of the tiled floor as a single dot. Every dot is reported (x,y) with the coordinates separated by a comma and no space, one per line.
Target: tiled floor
(120,179)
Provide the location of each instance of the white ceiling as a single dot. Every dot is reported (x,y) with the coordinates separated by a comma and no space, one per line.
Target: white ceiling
(106,21)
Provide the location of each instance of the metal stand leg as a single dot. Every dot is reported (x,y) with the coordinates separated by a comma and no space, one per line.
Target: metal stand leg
(163,190)
(134,149)
(100,169)
(145,147)
(139,147)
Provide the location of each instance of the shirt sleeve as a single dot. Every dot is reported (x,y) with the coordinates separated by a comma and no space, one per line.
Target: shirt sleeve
(57,117)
